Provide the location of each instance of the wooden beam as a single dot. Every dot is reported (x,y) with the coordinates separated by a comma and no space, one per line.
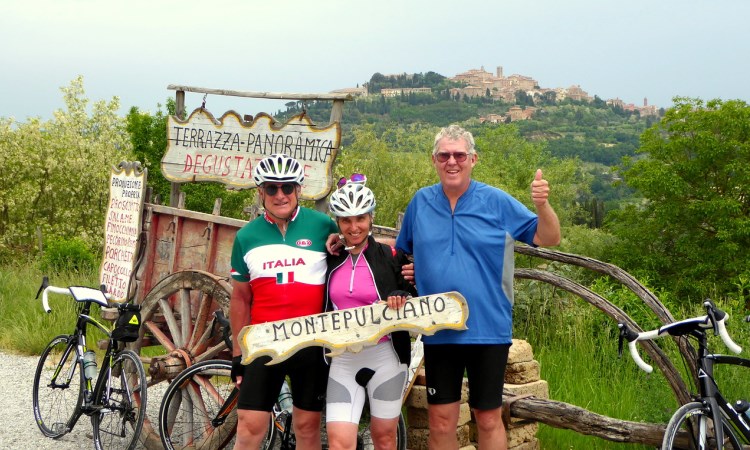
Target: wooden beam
(570,417)
(269,95)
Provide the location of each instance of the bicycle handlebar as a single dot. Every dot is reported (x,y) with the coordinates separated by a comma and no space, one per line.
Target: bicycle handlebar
(715,319)
(54,290)
(79,293)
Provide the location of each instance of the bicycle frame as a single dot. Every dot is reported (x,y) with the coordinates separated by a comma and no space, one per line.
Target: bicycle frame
(709,391)
(710,397)
(78,344)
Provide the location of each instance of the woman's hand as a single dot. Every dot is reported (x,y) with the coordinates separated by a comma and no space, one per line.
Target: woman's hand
(397,299)
(334,243)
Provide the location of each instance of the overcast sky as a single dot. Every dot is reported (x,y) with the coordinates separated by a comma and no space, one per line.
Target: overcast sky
(133,49)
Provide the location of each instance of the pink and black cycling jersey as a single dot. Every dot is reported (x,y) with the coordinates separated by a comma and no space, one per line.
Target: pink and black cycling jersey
(287,273)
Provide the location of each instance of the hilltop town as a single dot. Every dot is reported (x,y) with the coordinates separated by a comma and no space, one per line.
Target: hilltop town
(481,83)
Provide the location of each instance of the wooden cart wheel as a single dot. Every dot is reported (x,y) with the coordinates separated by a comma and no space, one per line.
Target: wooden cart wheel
(177,318)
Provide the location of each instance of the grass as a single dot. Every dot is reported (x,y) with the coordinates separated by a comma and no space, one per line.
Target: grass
(24,326)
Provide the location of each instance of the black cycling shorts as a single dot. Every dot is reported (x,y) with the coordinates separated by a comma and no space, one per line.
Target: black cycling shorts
(308,374)
(484,366)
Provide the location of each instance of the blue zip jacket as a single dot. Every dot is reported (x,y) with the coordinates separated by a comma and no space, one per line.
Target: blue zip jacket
(470,251)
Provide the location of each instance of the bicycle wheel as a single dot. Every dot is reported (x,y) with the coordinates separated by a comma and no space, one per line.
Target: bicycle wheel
(691,427)
(199,412)
(122,399)
(58,388)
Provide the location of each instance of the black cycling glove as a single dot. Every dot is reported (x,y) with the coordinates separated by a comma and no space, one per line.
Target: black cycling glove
(237,368)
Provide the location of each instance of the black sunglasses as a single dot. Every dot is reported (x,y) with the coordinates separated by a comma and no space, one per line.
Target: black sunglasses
(272,189)
(445,156)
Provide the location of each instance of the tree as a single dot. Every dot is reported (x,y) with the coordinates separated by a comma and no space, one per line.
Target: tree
(509,162)
(54,175)
(693,228)
(396,165)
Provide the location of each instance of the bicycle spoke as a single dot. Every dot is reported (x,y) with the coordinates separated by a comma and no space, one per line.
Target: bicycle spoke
(122,400)
(189,413)
(692,427)
(58,388)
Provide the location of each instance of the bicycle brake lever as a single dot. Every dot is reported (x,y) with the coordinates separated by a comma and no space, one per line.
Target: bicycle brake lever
(711,313)
(45,283)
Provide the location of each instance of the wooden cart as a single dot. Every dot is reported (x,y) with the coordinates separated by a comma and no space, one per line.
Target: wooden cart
(182,277)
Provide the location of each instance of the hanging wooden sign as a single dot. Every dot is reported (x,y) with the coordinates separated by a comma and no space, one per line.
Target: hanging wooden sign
(202,148)
(122,227)
(352,329)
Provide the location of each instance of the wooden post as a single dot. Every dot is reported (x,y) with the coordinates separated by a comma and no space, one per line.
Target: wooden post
(174,193)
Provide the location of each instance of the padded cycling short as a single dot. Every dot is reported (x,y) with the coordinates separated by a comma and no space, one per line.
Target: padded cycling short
(378,369)
(308,376)
(485,369)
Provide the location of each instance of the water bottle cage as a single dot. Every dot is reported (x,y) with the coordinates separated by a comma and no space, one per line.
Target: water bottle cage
(741,406)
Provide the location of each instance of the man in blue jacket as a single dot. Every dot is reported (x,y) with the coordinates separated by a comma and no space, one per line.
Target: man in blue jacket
(461,233)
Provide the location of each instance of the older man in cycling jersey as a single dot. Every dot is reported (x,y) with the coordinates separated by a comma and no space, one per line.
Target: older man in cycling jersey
(278,272)
(462,233)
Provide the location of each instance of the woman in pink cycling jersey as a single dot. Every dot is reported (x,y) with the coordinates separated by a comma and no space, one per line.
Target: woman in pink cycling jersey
(363,273)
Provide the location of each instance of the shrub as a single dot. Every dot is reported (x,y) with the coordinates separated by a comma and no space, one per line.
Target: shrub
(67,255)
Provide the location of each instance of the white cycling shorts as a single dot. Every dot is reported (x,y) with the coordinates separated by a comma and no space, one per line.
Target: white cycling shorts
(345,397)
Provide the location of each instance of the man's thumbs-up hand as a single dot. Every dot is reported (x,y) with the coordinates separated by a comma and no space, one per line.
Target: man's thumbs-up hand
(539,189)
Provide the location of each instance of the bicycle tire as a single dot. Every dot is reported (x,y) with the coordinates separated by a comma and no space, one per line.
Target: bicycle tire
(122,399)
(56,408)
(683,430)
(195,396)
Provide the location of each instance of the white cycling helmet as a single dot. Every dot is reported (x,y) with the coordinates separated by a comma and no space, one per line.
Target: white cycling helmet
(278,168)
(352,200)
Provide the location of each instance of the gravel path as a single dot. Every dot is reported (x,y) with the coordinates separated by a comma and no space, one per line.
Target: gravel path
(17,427)
(16,412)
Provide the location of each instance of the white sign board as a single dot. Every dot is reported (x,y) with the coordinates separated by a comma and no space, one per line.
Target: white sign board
(122,227)
(354,328)
(202,148)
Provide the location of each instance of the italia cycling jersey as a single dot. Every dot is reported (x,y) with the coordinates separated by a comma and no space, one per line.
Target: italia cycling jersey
(287,273)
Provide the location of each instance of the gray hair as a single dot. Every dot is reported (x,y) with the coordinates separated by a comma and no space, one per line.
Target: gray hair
(454,133)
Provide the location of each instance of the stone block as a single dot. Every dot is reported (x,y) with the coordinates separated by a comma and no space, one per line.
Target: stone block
(462,433)
(539,389)
(520,351)
(465,391)
(416,438)
(417,397)
(522,372)
(464,414)
(419,378)
(530,445)
(517,435)
(417,417)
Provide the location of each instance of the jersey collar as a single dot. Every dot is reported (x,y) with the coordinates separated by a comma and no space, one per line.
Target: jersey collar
(270,219)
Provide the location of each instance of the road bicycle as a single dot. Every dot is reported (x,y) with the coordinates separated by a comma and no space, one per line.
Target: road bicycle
(67,382)
(693,425)
(198,410)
